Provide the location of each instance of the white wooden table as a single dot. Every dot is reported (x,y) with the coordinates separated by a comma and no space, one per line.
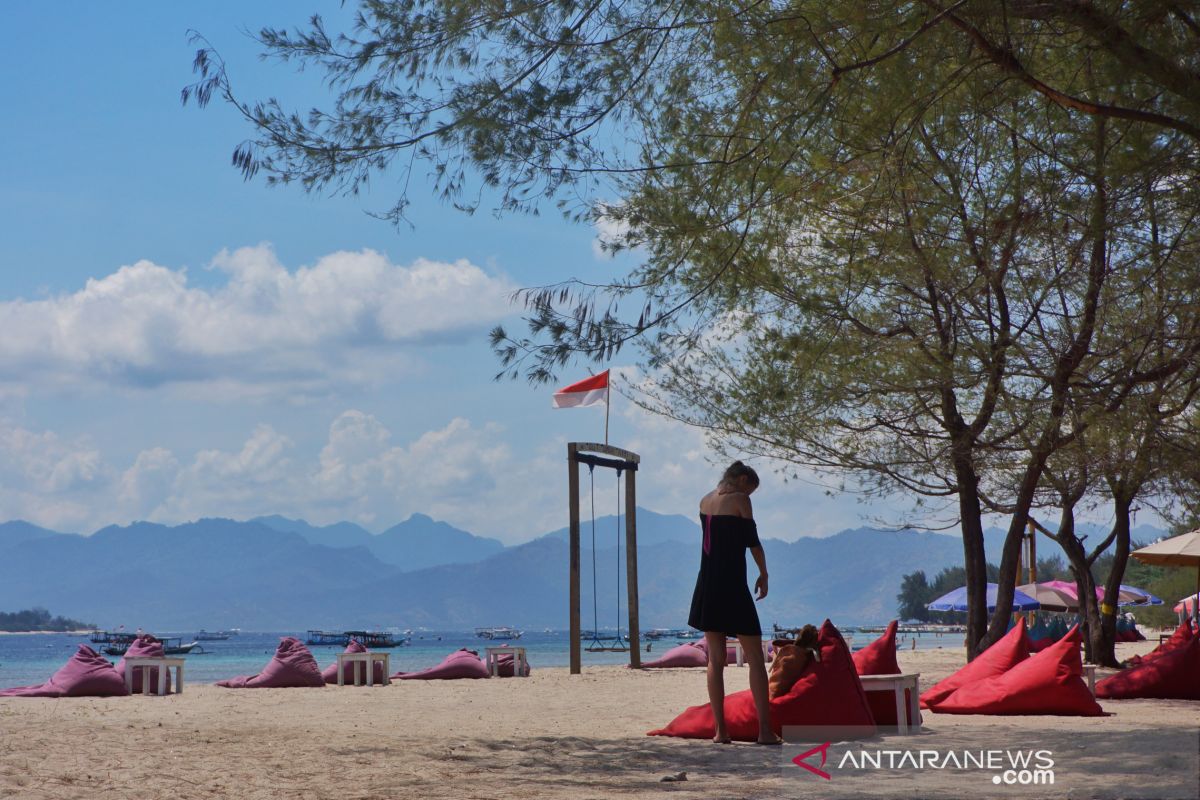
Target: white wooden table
(162,664)
(520,664)
(897,684)
(367,661)
(739,655)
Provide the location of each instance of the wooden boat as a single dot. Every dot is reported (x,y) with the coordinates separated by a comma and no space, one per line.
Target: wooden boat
(372,640)
(171,647)
(113,637)
(498,632)
(212,636)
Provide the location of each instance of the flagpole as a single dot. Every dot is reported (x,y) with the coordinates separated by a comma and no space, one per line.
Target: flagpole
(607,406)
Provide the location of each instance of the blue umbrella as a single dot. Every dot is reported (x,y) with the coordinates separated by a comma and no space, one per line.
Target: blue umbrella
(957,600)
(1149,599)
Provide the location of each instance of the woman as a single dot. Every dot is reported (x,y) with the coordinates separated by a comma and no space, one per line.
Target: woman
(722,604)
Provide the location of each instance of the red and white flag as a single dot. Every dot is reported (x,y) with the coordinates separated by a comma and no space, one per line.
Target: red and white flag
(586,392)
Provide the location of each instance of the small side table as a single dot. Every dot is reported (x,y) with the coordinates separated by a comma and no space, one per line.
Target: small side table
(740,655)
(368,662)
(520,664)
(162,664)
(897,684)
(1090,671)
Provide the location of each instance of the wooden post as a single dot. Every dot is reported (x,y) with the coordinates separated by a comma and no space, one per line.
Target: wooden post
(631,580)
(1032,551)
(573,489)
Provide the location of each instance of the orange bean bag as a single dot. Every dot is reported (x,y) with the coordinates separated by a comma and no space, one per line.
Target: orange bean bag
(879,658)
(1174,675)
(1010,650)
(1050,682)
(828,693)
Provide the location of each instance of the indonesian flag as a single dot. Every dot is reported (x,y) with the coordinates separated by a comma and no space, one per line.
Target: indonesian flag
(586,392)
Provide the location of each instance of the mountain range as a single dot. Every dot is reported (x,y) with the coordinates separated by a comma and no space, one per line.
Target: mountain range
(275,573)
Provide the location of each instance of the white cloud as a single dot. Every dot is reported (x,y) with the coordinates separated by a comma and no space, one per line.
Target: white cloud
(610,233)
(343,320)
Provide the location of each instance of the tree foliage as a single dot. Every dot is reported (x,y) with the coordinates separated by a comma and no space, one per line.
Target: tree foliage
(928,245)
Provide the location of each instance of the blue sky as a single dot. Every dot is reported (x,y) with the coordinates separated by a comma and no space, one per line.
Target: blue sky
(180,343)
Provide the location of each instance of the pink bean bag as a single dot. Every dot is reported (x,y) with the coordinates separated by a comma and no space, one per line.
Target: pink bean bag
(86,674)
(692,654)
(355,646)
(879,658)
(1174,675)
(459,664)
(1011,649)
(827,693)
(292,666)
(504,665)
(144,647)
(1048,683)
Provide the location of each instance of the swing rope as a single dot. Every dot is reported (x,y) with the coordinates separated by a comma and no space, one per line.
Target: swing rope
(596,644)
(618,643)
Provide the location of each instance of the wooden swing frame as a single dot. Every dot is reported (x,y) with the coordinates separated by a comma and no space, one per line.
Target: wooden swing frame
(623,461)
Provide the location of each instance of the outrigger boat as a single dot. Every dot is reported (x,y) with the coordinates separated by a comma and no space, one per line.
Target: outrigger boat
(171,647)
(212,636)
(499,632)
(378,640)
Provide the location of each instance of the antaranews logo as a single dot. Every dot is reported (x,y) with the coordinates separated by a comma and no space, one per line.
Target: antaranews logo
(1009,767)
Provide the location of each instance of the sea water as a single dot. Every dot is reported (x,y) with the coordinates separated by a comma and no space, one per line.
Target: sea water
(32,658)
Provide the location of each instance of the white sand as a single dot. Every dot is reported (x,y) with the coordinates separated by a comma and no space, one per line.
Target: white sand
(551,735)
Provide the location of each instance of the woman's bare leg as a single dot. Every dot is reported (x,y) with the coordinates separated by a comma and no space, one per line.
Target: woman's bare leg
(716,682)
(752,652)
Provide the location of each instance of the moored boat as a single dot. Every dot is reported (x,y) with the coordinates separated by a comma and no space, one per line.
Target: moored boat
(498,632)
(171,647)
(378,640)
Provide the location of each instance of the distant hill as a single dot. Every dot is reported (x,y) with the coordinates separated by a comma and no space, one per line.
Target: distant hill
(418,542)
(278,574)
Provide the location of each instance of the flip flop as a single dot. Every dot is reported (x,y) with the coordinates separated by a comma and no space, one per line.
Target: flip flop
(776,743)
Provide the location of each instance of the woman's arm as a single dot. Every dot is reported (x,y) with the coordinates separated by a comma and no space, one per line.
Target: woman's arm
(760,585)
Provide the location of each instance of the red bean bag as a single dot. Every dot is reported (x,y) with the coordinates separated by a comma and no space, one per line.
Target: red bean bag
(293,666)
(1182,635)
(1011,649)
(144,647)
(86,674)
(1048,683)
(1174,675)
(459,664)
(828,693)
(879,658)
(355,646)
(692,654)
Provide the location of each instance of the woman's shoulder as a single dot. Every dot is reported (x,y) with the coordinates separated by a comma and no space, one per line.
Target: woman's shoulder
(728,504)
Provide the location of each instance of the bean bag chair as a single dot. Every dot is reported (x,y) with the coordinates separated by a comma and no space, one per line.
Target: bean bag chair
(293,666)
(1008,651)
(355,646)
(828,693)
(459,664)
(692,654)
(144,647)
(879,658)
(1174,675)
(86,674)
(1048,683)
(1182,635)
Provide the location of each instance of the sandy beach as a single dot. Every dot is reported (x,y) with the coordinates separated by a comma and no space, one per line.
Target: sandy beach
(552,735)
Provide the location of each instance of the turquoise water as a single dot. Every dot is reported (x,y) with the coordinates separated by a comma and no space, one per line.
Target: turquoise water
(31,658)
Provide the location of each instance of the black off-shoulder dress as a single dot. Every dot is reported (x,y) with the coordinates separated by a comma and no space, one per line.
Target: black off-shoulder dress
(722,601)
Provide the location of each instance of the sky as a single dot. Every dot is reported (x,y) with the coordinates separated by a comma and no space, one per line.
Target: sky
(180,343)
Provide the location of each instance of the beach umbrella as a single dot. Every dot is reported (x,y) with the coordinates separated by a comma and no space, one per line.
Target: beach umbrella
(1146,599)
(957,600)
(1186,604)
(1052,595)
(1178,551)
(1126,595)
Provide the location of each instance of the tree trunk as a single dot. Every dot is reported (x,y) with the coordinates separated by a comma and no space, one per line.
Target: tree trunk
(1105,648)
(974,556)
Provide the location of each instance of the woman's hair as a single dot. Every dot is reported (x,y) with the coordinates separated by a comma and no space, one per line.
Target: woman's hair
(739,470)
